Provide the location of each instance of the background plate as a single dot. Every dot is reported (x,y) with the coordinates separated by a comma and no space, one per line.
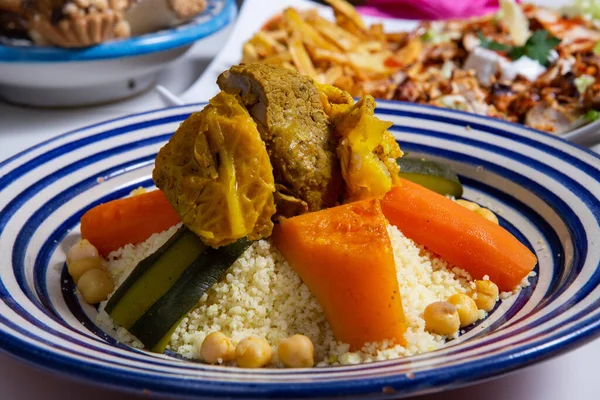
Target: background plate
(217,15)
(545,190)
(254,13)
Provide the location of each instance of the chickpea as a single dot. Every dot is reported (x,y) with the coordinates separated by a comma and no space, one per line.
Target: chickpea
(95,285)
(138,191)
(217,348)
(487,295)
(253,352)
(80,266)
(487,214)
(81,249)
(468,204)
(442,318)
(296,351)
(467,308)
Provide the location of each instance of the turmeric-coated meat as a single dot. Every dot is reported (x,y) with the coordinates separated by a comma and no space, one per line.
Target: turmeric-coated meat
(290,117)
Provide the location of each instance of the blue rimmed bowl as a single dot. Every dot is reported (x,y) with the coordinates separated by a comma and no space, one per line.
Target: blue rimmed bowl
(56,77)
(545,190)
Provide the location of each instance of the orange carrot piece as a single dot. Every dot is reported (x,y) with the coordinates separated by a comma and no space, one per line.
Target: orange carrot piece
(344,255)
(134,219)
(458,235)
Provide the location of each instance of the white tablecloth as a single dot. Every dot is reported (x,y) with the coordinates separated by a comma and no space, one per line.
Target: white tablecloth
(572,376)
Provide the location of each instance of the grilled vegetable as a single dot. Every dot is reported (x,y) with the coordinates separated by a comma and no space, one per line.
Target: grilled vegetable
(441,178)
(155,327)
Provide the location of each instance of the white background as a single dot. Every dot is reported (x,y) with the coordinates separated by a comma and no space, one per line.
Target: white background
(572,376)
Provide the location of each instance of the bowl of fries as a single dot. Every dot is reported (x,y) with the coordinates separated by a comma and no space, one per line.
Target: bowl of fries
(360,62)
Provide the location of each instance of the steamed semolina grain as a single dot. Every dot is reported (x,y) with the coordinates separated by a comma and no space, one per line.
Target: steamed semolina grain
(120,264)
(123,260)
(262,295)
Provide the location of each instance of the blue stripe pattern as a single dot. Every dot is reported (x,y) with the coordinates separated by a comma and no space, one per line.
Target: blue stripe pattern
(45,195)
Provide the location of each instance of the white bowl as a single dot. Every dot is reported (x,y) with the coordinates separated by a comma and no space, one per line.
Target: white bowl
(56,77)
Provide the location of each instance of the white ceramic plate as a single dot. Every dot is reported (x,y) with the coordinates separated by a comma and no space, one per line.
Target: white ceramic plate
(545,190)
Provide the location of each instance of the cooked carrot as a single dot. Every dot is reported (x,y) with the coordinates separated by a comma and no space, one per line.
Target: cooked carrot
(112,225)
(457,234)
(345,257)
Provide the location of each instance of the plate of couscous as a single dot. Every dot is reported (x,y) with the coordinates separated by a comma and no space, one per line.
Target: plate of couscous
(287,240)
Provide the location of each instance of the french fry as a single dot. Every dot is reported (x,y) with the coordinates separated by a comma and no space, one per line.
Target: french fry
(308,33)
(346,23)
(330,56)
(279,35)
(300,57)
(278,59)
(376,33)
(346,9)
(266,41)
(345,52)
(369,47)
(249,53)
(344,39)
(369,62)
(333,74)
(409,53)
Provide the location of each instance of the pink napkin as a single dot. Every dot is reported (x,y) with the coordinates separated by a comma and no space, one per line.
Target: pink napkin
(428,9)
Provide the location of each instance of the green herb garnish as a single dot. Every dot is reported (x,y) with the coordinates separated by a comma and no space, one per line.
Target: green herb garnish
(597,48)
(592,115)
(492,45)
(538,47)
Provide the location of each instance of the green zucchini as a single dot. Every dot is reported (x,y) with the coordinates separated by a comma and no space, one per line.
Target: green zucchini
(153,277)
(156,326)
(440,178)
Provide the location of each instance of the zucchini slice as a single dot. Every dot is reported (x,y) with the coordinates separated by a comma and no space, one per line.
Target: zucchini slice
(440,178)
(153,277)
(156,326)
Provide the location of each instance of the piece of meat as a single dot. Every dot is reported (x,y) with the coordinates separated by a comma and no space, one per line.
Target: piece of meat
(501,95)
(551,117)
(288,111)
(591,97)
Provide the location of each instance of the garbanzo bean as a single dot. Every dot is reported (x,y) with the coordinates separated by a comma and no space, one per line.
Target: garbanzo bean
(487,214)
(81,249)
(468,204)
(487,295)
(442,318)
(80,266)
(95,285)
(466,307)
(217,348)
(253,352)
(296,351)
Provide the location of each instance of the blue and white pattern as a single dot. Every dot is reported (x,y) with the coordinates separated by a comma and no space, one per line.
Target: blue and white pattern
(217,15)
(546,191)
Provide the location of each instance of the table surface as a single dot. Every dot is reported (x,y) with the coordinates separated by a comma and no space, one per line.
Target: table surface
(572,375)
